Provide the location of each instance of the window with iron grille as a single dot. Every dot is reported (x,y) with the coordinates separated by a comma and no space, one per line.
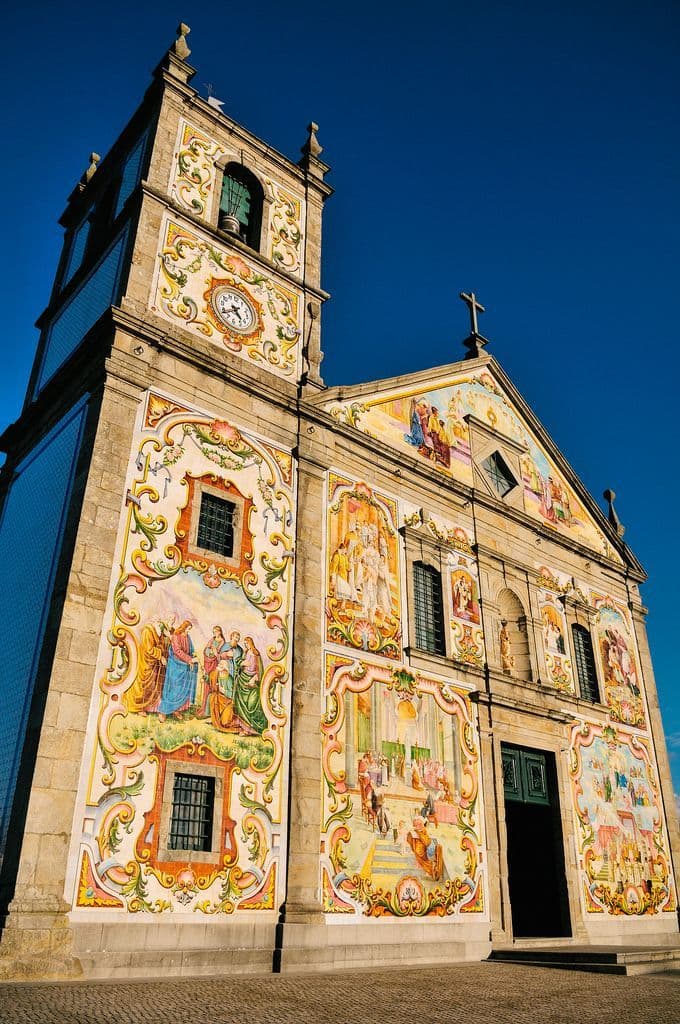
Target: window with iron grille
(216,525)
(585,663)
(429,611)
(499,473)
(191,823)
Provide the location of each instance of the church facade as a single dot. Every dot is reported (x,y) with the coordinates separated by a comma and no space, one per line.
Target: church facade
(309,676)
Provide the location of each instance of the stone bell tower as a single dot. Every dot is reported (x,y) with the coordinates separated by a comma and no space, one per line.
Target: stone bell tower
(151,485)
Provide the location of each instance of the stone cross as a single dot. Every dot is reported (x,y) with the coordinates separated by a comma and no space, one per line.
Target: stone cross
(472,304)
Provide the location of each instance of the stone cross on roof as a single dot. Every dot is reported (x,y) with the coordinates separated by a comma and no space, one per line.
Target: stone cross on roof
(475,342)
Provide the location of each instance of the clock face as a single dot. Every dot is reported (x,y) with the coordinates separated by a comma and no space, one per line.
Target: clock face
(234,310)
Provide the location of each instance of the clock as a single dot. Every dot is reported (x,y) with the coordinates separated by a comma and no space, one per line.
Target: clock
(234,310)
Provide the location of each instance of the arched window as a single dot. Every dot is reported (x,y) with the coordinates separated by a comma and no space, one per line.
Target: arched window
(241,204)
(584,657)
(514,641)
(429,609)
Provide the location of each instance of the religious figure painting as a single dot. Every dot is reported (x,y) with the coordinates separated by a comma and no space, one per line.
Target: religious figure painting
(616,648)
(623,847)
(466,632)
(432,424)
(192,677)
(401,832)
(363,600)
(557,660)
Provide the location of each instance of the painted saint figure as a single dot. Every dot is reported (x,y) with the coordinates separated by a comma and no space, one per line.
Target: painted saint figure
(152,658)
(230,659)
(179,685)
(247,702)
(426,850)
(227,658)
(340,573)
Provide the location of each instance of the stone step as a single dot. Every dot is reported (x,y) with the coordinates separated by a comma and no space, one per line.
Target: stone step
(602,959)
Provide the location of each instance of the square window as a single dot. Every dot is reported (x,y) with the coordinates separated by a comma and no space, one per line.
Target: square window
(191,820)
(499,473)
(216,524)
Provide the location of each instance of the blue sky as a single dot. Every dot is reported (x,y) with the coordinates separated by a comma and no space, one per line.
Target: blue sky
(526,151)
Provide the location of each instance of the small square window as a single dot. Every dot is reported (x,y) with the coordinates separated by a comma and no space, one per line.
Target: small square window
(191,821)
(499,473)
(216,525)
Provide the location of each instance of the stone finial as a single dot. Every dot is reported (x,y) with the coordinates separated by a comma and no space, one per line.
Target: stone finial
(312,146)
(180,47)
(174,61)
(88,173)
(609,497)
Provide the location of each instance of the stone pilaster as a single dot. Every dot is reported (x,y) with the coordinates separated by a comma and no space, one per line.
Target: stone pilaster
(303,902)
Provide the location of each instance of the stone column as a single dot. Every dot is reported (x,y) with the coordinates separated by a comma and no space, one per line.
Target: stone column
(303,900)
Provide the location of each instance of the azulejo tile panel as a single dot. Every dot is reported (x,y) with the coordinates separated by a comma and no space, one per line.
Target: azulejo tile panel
(402,823)
(622,843)
(193,676)
(363,585)
(617,650)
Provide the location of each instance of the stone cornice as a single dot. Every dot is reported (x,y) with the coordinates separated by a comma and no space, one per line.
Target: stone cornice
(204,356)
(442,666)
(433,375)
(492,699)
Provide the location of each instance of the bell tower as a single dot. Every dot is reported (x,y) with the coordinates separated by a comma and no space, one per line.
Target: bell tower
(150,483)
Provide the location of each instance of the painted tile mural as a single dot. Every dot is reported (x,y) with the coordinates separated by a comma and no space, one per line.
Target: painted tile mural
(555,640)
(461,589)
(622,843)
(617,651)
(192,184)
(284,228)
(401,830)
(223,296)
(363,592)
(430,424)
(193,174)
(193,675)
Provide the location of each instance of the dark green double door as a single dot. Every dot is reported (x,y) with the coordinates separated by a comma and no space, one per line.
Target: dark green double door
(536,877)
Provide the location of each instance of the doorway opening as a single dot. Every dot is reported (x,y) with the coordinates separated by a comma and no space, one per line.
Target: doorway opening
(536,876)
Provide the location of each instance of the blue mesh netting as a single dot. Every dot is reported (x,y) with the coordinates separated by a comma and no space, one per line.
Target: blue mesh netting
(131,171)
(94,296)
(31,530)
(77,252)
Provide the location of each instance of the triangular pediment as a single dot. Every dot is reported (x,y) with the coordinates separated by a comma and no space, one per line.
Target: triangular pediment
(467,421)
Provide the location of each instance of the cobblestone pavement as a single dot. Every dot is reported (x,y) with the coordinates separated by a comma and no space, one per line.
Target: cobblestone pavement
(486,993)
